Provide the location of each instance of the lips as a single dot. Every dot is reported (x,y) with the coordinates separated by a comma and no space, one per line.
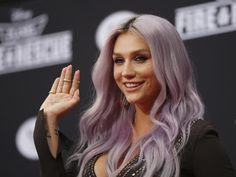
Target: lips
(132,85)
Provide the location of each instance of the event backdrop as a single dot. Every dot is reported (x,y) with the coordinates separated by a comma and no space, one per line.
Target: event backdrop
(38,38)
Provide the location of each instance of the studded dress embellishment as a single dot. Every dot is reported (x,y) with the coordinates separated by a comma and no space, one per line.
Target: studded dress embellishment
(128,170)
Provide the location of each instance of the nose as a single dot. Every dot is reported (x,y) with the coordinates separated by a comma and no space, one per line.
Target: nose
(128,70)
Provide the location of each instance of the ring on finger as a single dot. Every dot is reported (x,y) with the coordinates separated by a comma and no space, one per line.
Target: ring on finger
(67,80)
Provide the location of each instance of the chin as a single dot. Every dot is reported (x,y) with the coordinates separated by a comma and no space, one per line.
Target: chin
(132,100)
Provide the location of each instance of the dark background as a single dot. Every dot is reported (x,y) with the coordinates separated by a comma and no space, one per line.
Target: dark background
(21,93)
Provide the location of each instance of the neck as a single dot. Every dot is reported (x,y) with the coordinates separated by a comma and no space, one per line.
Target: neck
(142,122)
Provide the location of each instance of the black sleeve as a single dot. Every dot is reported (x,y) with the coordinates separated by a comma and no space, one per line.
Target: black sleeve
(210,159)
(50,166)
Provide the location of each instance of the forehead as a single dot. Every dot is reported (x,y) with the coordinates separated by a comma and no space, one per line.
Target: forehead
(128,42)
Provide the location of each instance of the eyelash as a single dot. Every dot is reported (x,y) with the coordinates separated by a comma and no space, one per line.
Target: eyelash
(139,59)
(118,60)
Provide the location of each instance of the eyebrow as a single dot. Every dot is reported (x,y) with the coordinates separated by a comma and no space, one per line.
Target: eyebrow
(136,51)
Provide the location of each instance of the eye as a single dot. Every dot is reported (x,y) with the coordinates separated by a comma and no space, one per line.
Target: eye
(140,58)
(118,60)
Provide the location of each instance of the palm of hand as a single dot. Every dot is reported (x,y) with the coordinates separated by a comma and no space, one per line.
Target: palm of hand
(64,94)
(59,103)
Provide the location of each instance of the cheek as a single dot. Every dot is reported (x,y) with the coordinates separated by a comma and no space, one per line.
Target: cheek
(116,76)
(156,87)
(116,73)
(153,82)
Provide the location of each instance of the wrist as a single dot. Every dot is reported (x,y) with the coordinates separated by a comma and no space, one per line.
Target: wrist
(51,120)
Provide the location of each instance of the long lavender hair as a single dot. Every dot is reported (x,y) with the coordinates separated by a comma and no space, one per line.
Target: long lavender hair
(107,127)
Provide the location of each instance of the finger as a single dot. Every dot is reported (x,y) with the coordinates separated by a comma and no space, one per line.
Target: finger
(76,96)
(75,83)
(60,84)
(67,80)
(54,86)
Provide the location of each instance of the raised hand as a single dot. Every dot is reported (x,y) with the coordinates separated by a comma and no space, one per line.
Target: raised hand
(63,96)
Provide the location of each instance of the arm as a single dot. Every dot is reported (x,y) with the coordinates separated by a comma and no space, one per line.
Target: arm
(63,96)
(49,166)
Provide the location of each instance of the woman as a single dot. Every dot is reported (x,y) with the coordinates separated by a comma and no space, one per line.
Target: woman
(146,118)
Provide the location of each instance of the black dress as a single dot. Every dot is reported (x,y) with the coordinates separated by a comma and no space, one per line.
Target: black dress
(203,155)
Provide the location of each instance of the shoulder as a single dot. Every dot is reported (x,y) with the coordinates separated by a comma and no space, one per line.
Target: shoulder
(204,155)
(201,129)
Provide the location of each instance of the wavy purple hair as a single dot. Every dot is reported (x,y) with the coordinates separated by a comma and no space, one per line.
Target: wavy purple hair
(107,127)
